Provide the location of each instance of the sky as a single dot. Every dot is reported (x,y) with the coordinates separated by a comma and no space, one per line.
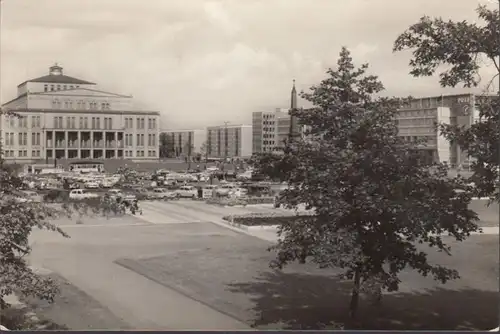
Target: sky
(204,62)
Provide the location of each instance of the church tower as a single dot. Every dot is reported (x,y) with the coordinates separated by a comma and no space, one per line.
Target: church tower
(294,127)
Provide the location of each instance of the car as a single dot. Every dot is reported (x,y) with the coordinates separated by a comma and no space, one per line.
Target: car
(81,194)
(161,193)
(224,189)
(91,185)
(187,192)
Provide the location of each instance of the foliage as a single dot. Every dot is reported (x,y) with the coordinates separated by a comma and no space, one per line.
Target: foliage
(165,149)
(463,46)
(275,166)
(372,198)
(266,219)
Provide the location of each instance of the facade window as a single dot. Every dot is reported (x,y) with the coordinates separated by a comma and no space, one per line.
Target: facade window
(23,139)
(51,88)
(138,141)
(58,87)
(98,122)
(71,87)
(35,139)
(93,122)
(35,121)
(45,88)
(65,87)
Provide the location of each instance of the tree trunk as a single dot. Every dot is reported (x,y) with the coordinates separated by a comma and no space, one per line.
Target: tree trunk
(353,307)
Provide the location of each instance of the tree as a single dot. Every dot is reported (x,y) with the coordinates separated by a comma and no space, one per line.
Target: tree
(463,48)
(204,151)
(165,149)
(372,201)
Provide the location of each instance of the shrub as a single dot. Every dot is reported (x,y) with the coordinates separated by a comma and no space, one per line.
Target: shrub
(264,219)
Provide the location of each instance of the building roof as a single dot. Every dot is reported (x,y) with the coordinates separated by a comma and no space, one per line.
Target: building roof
(56,75)
(60,79)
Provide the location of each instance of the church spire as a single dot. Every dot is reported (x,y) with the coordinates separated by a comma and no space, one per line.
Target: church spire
(293,132)
(293,100)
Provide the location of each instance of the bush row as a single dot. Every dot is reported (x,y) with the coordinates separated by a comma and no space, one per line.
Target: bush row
(263,219)
(240,201)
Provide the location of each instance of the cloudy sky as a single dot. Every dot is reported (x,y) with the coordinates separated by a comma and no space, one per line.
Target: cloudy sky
(204,62)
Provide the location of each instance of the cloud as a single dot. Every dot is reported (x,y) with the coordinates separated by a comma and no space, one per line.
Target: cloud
(204,62)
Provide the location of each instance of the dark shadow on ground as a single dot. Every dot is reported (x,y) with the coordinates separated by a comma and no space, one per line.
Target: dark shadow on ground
(298,301)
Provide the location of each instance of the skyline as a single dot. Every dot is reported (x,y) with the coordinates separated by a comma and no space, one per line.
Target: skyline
(235,57)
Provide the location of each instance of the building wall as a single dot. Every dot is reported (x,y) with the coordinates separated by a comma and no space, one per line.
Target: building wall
(417,119)
(28,137)
(181,139)
(71,101)
(270,129)
(257,131)
(229,141)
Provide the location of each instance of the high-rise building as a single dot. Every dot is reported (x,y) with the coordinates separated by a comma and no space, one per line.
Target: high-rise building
(229,141)
(417,121)
(185,142)
(272,128)
(61,117)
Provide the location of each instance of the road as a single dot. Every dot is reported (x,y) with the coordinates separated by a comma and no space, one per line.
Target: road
(171,268)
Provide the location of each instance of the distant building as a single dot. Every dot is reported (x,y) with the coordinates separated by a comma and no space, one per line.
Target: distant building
(229,141)
(63,117)
(272,128)
(185,142)
(417,121)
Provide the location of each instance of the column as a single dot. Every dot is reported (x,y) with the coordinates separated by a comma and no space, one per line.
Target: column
(66,144)
(78,145)
(115,139)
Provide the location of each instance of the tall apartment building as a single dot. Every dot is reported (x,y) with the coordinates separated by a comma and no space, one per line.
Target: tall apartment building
(229,141)
(185,142)
(270,130)
(63,117)
(417,121)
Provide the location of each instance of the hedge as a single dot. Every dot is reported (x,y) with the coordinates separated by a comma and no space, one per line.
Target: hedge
(240,201)
(264,219)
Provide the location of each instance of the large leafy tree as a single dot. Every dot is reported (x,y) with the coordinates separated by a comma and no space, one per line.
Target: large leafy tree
(457,51)
(372,200)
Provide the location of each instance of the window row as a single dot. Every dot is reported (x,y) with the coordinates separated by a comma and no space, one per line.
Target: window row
(23,139)
(80,105)
(140,123)
(53,88)
(83,122)
(140,154)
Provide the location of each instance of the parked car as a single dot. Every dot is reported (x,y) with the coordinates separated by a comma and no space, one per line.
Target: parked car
(161,193)
(187,192)
(91,185)
(80,194)
(224,189)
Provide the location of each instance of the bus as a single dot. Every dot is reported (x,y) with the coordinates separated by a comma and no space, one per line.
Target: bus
(85,167)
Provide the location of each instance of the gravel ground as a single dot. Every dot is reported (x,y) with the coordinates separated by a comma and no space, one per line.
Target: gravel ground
(233,277)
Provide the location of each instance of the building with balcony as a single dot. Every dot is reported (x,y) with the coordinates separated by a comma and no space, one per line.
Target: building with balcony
(185,142)
(416,121)
(61,117)
(229,141)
